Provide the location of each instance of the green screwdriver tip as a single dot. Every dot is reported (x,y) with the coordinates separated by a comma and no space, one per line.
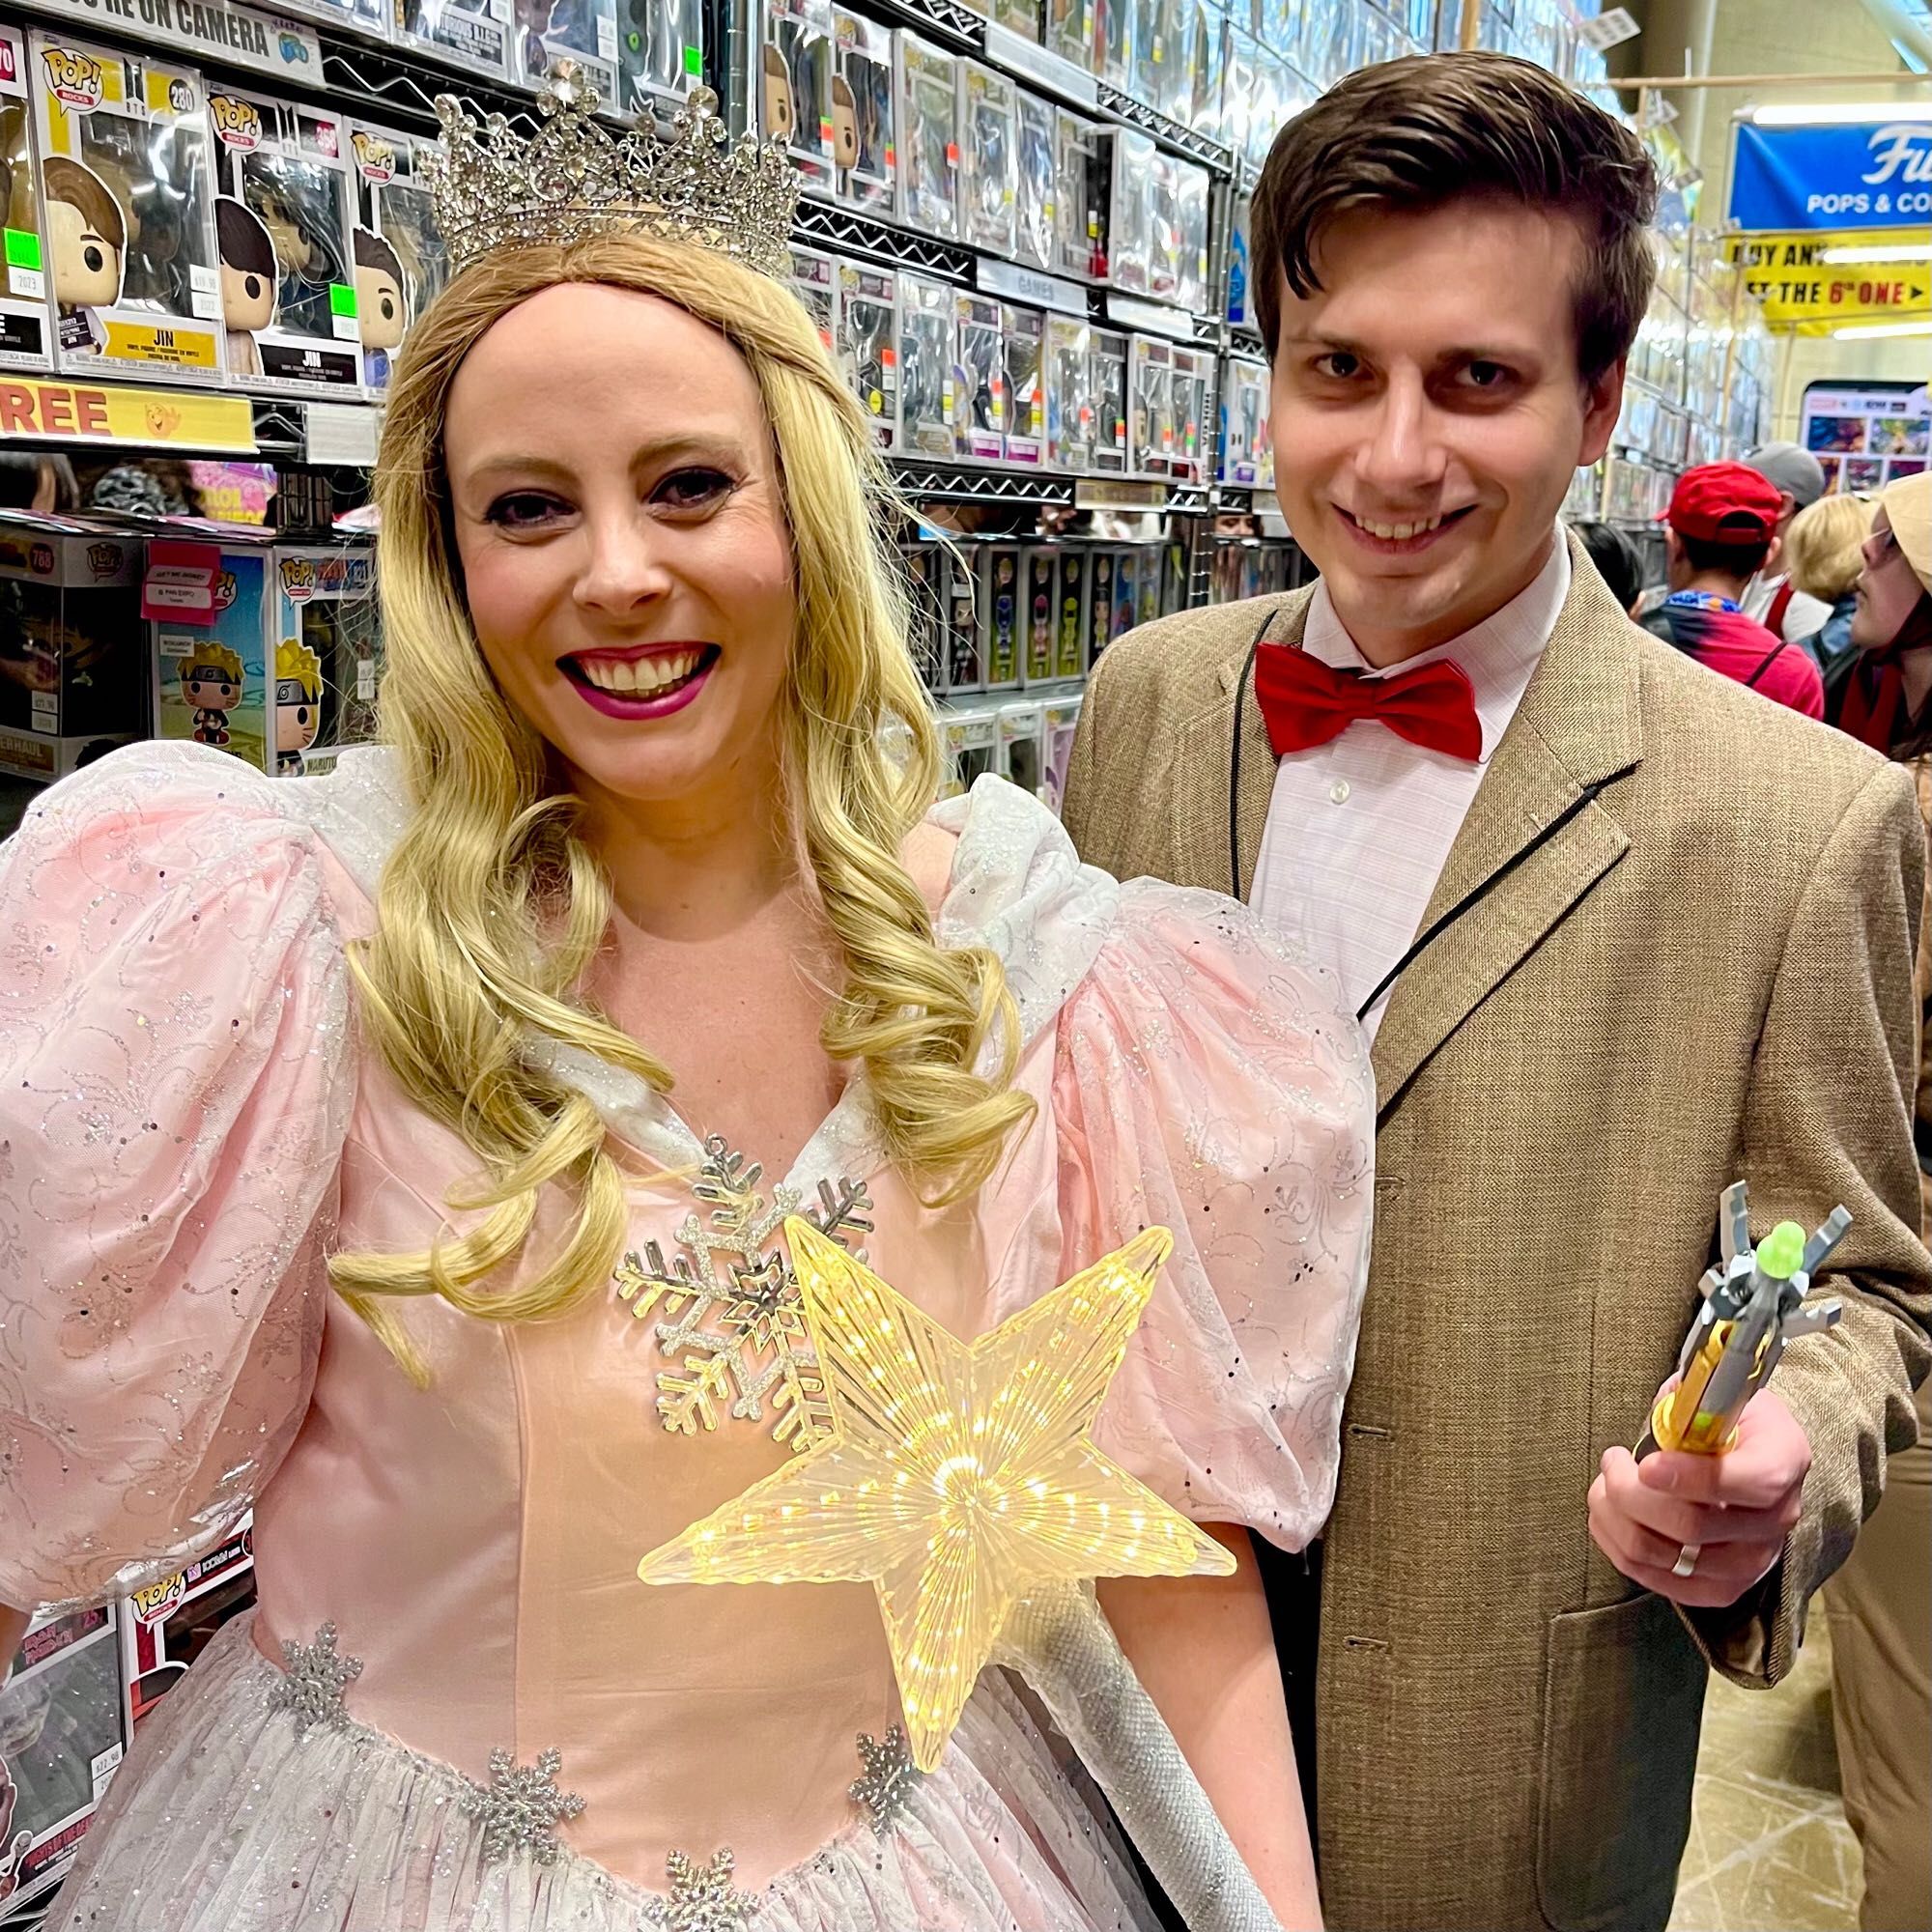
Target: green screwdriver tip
(1781,1250)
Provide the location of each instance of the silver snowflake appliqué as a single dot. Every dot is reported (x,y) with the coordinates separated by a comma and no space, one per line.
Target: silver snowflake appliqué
(885,1787)
(733,1326)
(520,1807)
(701,1898)
(313,1681)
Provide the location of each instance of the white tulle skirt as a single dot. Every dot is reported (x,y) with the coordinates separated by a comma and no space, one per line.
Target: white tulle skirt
(225,1819)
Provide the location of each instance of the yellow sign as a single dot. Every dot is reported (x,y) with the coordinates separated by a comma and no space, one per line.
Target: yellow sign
(1804,294)
(107,412)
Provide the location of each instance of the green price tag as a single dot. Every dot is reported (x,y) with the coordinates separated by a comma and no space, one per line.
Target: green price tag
(23,248)
(341,298)
(693,62)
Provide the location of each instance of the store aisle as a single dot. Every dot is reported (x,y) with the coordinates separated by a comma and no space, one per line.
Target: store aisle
(1769,1843)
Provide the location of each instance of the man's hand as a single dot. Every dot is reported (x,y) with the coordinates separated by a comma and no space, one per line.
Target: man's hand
(1735,1508)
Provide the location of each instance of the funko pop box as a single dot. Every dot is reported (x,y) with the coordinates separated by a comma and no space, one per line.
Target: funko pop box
(268,650)
(126,212)
(63,1734)
(72,685)
(24,340)
(400,263)
(166,1625)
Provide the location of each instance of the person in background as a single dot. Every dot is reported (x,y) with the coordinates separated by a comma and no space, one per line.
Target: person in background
(1825,552)
(1878,692)
(1880,1603)
(1722,524)
(1778,602)
(30,480)
(1616,560)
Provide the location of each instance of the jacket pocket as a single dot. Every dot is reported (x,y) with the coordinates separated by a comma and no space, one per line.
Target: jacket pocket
(1623,1699)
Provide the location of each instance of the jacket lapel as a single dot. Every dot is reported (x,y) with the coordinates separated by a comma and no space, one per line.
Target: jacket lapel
(1579,724)
(1205,744)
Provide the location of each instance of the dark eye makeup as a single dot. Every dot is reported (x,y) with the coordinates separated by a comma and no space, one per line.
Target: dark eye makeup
(524,509)
(692,488)
(696,488)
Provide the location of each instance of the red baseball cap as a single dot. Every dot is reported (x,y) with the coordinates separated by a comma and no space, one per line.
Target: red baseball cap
(1725,504)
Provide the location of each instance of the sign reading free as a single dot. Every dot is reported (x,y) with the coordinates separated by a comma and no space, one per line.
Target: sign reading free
(1804,293)
(111,414)
(1857,175)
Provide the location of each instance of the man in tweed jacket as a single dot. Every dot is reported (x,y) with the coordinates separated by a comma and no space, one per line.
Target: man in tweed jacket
(1673,941)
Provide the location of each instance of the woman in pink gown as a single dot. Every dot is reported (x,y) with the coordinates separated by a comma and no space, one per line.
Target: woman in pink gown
(339,1161)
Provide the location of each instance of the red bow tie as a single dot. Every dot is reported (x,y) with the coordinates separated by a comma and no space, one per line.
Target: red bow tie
(1306,702)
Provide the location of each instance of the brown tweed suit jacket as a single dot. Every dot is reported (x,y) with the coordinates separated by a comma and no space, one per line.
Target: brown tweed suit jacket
(1706,975)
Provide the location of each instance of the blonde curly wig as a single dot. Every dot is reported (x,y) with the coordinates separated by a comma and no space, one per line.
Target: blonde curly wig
(492,907)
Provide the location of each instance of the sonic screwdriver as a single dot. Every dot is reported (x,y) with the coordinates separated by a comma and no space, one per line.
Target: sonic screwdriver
(1753,1304)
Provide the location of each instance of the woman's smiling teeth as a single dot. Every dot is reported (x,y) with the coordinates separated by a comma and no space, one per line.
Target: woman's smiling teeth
(641,675)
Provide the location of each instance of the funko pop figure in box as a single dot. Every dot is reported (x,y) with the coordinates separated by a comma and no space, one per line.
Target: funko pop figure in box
(212,680)
(844,123)
(379,303)
(779,120)
(297,704)
(87,240)
(11,1854)
(247,281)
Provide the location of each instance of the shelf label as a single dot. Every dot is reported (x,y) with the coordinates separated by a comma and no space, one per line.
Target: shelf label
(236,36)
(103,413)
(1019,283)
(1042,66)
(342,433)
(1116,493)
(1150,318)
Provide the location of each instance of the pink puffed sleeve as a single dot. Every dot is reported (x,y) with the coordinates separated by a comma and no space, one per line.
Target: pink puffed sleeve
(174,1089)
(1207,1081)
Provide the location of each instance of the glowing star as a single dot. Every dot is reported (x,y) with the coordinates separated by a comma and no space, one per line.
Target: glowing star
(957,1479)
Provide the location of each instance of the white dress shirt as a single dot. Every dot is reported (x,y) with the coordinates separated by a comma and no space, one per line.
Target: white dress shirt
(1359,828)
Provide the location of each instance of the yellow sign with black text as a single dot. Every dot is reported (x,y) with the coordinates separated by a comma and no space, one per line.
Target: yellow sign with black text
(1804,294)
(110,413)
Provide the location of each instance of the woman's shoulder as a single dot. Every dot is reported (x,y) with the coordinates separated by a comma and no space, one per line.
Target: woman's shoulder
(154,802)
(1075,942)
(1015,886)
(172,820)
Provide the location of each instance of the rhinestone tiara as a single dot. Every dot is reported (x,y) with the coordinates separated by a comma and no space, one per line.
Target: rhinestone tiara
(575,179)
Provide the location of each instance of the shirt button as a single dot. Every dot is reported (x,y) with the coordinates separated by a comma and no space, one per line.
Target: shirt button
(1339,791)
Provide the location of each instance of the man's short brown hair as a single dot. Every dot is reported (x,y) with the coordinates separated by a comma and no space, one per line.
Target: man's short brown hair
(1415,134)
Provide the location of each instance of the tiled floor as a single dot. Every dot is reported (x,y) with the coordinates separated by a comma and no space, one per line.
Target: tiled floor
(1769,1843)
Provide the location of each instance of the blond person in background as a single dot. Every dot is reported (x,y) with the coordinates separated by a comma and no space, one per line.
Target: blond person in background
(1824,550)
(1880,1603)
(1773,596)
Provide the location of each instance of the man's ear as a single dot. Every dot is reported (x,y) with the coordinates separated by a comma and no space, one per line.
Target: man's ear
(1603,404)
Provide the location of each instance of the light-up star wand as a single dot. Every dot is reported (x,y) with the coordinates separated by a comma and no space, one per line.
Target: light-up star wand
(961,1481)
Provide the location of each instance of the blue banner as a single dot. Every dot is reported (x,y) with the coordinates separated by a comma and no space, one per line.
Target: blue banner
(1872,174)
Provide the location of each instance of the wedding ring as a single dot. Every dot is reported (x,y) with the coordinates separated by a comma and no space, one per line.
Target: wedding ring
(1687,1560)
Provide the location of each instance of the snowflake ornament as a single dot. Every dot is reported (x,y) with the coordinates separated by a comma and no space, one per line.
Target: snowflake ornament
(520,1807)
(885,1787)
(701,1898)
(731,1324)
(313,1681)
